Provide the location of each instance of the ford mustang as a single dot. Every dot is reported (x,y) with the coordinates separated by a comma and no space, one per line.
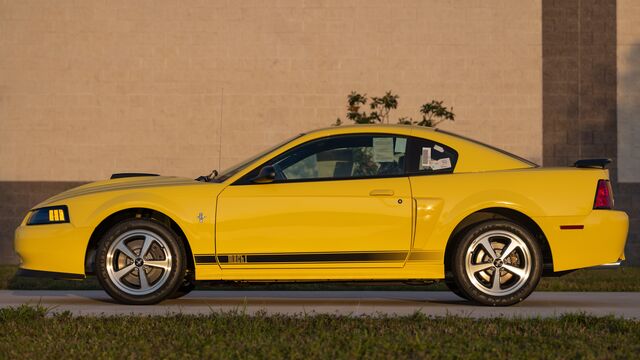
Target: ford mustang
(353,203)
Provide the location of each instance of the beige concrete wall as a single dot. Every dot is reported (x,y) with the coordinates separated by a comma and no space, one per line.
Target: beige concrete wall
(628,52)
(88,88)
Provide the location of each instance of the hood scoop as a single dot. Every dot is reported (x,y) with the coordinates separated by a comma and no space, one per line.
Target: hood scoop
(128,175)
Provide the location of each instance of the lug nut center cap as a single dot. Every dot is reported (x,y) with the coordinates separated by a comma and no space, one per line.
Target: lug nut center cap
(138,262)
(497,263)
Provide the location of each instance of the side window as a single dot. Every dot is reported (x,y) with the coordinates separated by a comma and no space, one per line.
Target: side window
(429,157)
(342,157)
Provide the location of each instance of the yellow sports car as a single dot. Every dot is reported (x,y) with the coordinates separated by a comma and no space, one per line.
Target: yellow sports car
(370,203)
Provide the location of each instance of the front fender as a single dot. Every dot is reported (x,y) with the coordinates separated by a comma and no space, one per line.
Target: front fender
(183,207)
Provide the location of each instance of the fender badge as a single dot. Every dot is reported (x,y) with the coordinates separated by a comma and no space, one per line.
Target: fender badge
(201,217)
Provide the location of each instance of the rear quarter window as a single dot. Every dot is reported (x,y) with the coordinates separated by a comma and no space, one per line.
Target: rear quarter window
(430,157)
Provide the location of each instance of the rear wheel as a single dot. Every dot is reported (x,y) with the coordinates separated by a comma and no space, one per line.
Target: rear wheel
(140,262)
(497,263)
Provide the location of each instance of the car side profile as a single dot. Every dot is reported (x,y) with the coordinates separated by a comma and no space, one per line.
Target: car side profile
(356,203)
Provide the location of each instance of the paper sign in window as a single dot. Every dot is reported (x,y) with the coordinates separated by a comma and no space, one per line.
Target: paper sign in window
(441,164)
(425,159)
(383,149)
(401,145)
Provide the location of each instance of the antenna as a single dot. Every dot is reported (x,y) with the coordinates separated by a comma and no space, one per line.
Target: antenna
(220,132)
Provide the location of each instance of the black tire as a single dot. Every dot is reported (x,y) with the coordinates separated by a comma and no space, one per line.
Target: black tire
(522,267)
(187,285)
(453,287)
(166,285)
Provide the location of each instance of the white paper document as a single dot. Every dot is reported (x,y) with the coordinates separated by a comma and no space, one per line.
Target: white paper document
(441,164)
(401,145)
(383,149)
(425,161)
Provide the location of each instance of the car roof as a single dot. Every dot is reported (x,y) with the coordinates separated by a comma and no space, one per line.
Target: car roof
(461,143)
(364,128)
(473,156)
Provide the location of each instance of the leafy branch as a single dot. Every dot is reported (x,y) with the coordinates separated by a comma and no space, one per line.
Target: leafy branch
(433,113)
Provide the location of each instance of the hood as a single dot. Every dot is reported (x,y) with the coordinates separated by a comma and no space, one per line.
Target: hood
(119,184)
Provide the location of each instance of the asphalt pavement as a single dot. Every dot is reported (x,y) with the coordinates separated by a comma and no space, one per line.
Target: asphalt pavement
(354,303)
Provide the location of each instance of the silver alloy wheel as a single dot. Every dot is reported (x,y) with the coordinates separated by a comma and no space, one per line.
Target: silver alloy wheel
(139,262)
(498,263)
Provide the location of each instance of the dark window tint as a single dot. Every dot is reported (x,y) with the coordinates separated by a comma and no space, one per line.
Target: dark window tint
(429,157)
(340,157)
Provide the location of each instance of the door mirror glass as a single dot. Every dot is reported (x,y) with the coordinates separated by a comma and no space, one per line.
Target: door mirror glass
(267,174)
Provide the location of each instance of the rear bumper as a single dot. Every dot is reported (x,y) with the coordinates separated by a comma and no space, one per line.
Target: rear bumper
(586,241)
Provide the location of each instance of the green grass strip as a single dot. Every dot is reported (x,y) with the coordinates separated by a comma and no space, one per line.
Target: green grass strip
(29,332)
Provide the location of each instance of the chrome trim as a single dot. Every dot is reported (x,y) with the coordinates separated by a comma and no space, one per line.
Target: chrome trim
(489,266)
(608,266)
(126,264)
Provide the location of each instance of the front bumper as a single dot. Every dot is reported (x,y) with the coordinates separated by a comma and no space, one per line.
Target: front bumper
(56,248)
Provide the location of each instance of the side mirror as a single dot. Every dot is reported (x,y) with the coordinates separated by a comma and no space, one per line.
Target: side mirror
(267,174)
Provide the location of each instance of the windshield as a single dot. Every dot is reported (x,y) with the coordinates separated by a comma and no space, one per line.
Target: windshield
(229,172)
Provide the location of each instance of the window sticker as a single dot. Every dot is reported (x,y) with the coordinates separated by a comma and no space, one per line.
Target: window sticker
(441,164)
(383,149)
(401,145)
(438,148)
(425,160)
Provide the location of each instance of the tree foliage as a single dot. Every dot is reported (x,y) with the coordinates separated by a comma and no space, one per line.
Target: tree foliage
(433,113)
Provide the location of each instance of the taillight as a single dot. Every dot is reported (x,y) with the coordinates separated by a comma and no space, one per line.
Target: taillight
(604,195)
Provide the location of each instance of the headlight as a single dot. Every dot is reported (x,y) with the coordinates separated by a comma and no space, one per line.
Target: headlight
(49,215)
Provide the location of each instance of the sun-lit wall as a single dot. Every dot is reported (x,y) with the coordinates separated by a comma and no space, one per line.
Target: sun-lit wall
(89,88)
(628,44)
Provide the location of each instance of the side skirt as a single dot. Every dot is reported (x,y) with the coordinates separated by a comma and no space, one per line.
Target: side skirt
(49,274)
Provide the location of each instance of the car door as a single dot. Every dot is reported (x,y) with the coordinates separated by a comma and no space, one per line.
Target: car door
(340,201)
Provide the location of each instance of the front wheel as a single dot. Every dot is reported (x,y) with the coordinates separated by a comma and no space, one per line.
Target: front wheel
(453,287)
(140,262)
(497,263)
(187,285)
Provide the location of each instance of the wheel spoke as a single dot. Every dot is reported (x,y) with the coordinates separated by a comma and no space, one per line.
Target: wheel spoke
(511,248)
(145,246)
(144,283)
(474,268)
(143,254)
(125,250)
(497,261)
(124,271)
(162,264)
(514,270)
(487,246)
(495,284)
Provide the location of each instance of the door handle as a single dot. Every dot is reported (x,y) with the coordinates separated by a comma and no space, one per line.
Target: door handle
(381,192)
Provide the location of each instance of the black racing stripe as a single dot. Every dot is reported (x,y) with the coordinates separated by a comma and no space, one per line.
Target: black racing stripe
(205,259)
(330,257)
(302,258)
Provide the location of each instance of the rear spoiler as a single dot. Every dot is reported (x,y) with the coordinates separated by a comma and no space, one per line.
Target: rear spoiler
(592,163)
